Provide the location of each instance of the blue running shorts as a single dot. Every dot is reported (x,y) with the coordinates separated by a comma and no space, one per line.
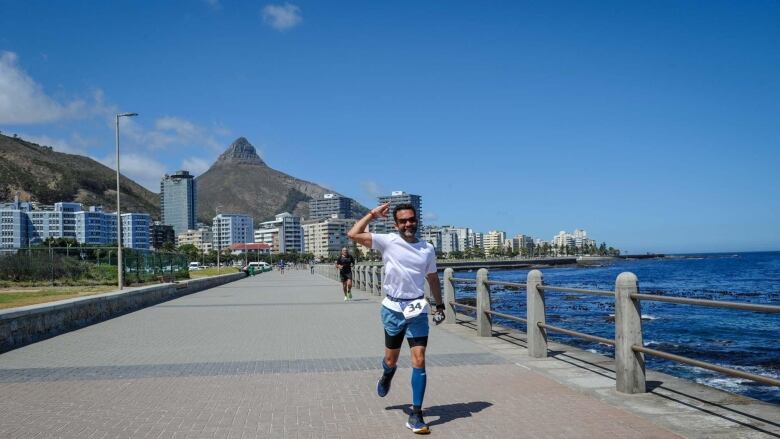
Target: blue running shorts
(394,322)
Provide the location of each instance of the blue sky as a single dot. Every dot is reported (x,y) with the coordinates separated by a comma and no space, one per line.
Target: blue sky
(655,126)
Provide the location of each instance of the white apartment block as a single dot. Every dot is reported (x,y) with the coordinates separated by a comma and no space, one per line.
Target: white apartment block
(284,234)
(494,239)
(446,239)
(202,238)
(577,239)
(326,237)
(268,236)
(563,239)
(231,228)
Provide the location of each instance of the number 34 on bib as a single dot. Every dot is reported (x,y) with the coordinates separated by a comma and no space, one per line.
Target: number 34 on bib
(415,308)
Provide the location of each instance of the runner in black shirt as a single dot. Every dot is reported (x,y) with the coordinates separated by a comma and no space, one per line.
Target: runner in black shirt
(344,264)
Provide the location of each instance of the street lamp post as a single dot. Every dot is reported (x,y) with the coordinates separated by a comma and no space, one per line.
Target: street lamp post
(120,269)
(218,221)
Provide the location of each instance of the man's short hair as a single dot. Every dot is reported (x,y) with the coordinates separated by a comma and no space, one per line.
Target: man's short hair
(405,206)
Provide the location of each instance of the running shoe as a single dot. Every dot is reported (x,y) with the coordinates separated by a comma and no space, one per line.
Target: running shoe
(349,294)
(416,424)
(383,386)
(345,298)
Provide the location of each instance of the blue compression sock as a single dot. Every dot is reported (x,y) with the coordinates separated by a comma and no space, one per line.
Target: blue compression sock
(389,371)
(419,379)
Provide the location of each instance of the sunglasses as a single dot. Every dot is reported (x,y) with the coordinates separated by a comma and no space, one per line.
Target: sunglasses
(411,220)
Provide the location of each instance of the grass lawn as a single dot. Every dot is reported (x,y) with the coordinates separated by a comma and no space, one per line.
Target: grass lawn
(212,271)
(14,296)
(22,296)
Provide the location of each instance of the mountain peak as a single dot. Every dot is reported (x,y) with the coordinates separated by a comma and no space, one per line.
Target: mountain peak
(241,152)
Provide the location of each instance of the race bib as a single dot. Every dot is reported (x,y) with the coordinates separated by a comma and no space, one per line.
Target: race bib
(415,308)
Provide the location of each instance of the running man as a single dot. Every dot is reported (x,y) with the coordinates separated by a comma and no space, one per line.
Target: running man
(344,264)
(404,312)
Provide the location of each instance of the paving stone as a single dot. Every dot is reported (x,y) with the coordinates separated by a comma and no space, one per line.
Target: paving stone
(281,356)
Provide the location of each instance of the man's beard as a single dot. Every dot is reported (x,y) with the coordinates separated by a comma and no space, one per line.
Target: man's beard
(410,232)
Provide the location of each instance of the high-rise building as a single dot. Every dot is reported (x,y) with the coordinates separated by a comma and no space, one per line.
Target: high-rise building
(334,206)
(231,228)
(396,198)
(178,201)
(326,237)
(284,233)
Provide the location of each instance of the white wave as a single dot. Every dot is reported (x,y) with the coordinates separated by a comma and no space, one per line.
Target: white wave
(649,317)
(728,384)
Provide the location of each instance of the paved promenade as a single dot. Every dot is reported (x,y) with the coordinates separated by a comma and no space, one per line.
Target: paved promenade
(282,356)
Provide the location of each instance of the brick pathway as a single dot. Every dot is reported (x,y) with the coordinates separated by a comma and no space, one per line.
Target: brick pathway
(279,356)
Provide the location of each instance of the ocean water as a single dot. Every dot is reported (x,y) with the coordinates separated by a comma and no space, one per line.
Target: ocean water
(742,340)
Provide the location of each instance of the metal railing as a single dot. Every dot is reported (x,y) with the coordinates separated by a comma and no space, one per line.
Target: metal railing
(364,277)
(87,265)
(628,342)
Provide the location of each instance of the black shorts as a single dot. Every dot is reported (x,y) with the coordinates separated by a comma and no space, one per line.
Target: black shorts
(345,276)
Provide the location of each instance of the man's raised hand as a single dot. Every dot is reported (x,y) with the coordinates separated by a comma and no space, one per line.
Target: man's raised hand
(381,211)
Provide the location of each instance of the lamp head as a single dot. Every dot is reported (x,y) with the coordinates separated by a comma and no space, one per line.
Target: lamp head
(126,114)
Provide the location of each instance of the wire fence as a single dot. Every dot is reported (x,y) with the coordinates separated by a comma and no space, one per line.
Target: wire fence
(88,266)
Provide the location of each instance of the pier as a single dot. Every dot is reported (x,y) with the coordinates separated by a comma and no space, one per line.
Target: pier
(283,356)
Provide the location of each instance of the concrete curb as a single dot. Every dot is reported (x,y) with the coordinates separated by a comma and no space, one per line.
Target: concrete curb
(29,324)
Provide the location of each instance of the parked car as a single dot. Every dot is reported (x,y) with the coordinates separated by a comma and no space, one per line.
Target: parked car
(259,267)
(195,266)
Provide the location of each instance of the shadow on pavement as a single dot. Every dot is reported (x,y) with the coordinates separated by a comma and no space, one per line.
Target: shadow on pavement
(446,413)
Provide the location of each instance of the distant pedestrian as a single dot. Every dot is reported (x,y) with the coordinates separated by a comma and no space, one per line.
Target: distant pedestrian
(344,264)
(281,266)
(408,263)
(311,266)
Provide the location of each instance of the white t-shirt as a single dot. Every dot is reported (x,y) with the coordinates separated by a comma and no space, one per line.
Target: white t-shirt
(406,265)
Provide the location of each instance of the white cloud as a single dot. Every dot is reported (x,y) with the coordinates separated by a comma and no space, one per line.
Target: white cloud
(195,165)
(170,130)
(371,188)
(282,17)
(139,167)
(23,101)
(430,216)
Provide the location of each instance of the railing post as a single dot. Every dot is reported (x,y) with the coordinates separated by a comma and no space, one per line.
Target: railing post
(382,291)
(359,277)
(449,296)
(629,365)
(369,280)
(375,280)
(537,337)
(484,327)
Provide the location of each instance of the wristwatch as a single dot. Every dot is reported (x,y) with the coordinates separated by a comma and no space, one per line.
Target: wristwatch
(440,307)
